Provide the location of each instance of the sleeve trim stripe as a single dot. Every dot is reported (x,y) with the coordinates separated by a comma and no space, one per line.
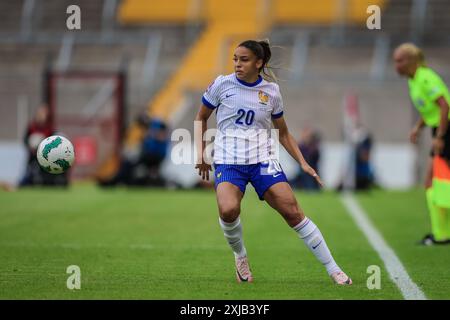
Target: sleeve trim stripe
(208,104)
(277,115)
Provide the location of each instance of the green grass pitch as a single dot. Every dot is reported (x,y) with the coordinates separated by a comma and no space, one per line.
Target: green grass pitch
(160,244)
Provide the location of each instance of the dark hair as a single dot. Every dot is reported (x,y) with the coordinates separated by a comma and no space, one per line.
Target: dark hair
(261,49)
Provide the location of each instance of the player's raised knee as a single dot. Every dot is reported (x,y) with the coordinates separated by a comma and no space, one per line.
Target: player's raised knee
(229,213)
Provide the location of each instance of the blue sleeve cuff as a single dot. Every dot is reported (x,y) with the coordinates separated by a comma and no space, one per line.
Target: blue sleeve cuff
(208,104)
(277,115)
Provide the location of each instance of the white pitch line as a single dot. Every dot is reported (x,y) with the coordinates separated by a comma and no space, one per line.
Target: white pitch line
(394,266)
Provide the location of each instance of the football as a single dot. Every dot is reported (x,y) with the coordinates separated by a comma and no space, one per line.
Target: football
(55,154)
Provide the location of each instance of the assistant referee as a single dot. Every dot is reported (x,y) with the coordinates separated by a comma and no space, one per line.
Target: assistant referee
(431,98)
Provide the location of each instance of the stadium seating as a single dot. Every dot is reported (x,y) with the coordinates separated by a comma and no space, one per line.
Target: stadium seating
(183,70)
(199,65)
(224,27)
(281,11)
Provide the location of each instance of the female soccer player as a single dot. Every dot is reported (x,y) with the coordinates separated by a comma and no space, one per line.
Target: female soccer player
(431,98)
(246,106)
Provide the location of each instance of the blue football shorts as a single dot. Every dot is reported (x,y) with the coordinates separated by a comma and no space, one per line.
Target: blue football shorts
(261,175)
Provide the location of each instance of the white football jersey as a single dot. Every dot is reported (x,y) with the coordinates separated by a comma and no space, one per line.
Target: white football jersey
(244,113)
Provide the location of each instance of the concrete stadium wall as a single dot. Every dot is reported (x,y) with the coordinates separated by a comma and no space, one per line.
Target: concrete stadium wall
(393,165)
(13,157)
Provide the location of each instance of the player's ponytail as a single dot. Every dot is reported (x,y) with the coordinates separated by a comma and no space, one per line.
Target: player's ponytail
(266,69)
(261,49)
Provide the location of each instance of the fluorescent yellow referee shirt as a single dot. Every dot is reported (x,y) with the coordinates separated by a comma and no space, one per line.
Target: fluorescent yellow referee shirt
(424,89)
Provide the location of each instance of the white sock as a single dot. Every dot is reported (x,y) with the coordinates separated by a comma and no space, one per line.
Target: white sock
(314,240)
(233,233)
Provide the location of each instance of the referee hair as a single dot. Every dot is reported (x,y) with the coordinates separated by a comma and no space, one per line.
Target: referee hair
(413,51)
(261,49)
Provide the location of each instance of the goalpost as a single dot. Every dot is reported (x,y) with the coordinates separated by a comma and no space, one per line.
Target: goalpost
(88,107)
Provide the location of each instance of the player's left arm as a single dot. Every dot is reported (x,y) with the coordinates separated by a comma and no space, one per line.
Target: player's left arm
(289,143)
(438,142)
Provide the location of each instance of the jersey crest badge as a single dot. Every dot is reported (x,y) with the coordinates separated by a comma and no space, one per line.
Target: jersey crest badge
(263,97)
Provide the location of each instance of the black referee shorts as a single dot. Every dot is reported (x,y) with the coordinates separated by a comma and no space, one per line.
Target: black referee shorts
(446,152)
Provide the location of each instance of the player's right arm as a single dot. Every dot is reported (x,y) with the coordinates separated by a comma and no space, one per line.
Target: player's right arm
(210,100)
(200,127)
(414,134)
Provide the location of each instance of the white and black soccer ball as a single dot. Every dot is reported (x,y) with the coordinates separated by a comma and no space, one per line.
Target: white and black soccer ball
(55,154)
